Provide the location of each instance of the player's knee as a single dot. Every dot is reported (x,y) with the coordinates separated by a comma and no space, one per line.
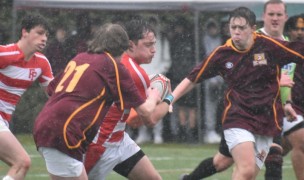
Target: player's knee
(24,163)
(247,172)
(221,165)
(221,162)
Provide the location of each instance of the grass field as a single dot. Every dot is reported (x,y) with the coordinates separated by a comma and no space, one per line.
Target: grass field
(170,160)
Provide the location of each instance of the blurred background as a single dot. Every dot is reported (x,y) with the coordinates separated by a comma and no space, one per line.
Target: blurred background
(187,32)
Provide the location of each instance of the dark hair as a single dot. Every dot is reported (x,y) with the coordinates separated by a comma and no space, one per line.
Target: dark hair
(31,21)
(245,13)
(137,28)
(111,38)
(292,22)
(274,2)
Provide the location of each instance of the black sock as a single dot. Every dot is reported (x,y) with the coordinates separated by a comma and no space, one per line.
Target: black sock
(273,164)
(204,169)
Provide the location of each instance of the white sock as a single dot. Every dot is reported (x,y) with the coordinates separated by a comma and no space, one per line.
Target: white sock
(7,177)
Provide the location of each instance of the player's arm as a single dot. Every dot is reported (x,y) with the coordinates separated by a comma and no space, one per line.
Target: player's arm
(159,112)
(182,88)
(146,109)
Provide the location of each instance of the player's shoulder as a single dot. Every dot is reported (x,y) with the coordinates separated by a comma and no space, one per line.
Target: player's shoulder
(40,56)
(9,48)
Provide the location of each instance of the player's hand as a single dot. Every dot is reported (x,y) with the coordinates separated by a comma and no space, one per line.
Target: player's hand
(290,112)
(286,81)
(154,93)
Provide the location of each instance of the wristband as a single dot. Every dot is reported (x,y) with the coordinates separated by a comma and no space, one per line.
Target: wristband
(169,99)
(288,102)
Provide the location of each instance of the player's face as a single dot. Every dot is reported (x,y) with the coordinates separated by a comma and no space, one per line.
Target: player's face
(241,33)
(36,38)
(145,49)
(274,19)
(296,34)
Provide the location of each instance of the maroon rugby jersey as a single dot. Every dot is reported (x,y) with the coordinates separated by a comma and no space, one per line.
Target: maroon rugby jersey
(297,89)
(252,98)
(81,97)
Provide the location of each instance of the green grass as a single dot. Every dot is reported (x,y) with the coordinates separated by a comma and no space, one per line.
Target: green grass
(170,160)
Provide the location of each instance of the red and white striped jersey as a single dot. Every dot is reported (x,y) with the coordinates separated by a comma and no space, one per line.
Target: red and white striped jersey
(16,75)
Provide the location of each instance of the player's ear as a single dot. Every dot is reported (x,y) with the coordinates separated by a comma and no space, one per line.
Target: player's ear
(131,45)
(254,27)
(23,32)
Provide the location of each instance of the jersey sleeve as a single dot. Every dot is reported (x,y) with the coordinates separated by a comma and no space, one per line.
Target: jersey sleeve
(9,55)
(47,74)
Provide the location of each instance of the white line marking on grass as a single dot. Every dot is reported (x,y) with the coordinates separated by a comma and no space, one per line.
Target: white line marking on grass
(38,175)
(171,158)
(35,156)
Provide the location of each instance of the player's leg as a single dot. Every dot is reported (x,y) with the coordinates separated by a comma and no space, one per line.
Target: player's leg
(243,156)
(100,161)
(192,134)
(144,170)
(274,161)
(182,117)
(13,154)
(82,176)
(297,154)
(137,167)
(134,164)
(248,151)
(212,165)
(223,159)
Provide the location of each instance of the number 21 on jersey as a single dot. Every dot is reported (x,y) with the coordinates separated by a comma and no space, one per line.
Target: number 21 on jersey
(71,70)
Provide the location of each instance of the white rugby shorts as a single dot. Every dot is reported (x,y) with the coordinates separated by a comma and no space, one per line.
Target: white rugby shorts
(235,136)
(112,156)
(4,125)
(288,125)
(60,164)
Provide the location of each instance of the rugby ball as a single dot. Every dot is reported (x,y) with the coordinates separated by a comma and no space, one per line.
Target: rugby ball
(160,82)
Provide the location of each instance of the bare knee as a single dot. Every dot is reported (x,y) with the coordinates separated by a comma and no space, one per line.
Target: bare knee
(23,163)
(246,172)
(222,162)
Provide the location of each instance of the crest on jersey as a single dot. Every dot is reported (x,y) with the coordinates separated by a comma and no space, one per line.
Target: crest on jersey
(259,59)
(229,65)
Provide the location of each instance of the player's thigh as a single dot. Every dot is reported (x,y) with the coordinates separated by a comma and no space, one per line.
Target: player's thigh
(144,170)
(109,159)
(296,138)
(10,146)
(246,148)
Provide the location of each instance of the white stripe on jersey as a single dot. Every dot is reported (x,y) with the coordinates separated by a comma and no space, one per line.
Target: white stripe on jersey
(46,83)
(9,53)
(11,89)
(7,107)
(120,126)
(139,75)
(45,58)
(20,73)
